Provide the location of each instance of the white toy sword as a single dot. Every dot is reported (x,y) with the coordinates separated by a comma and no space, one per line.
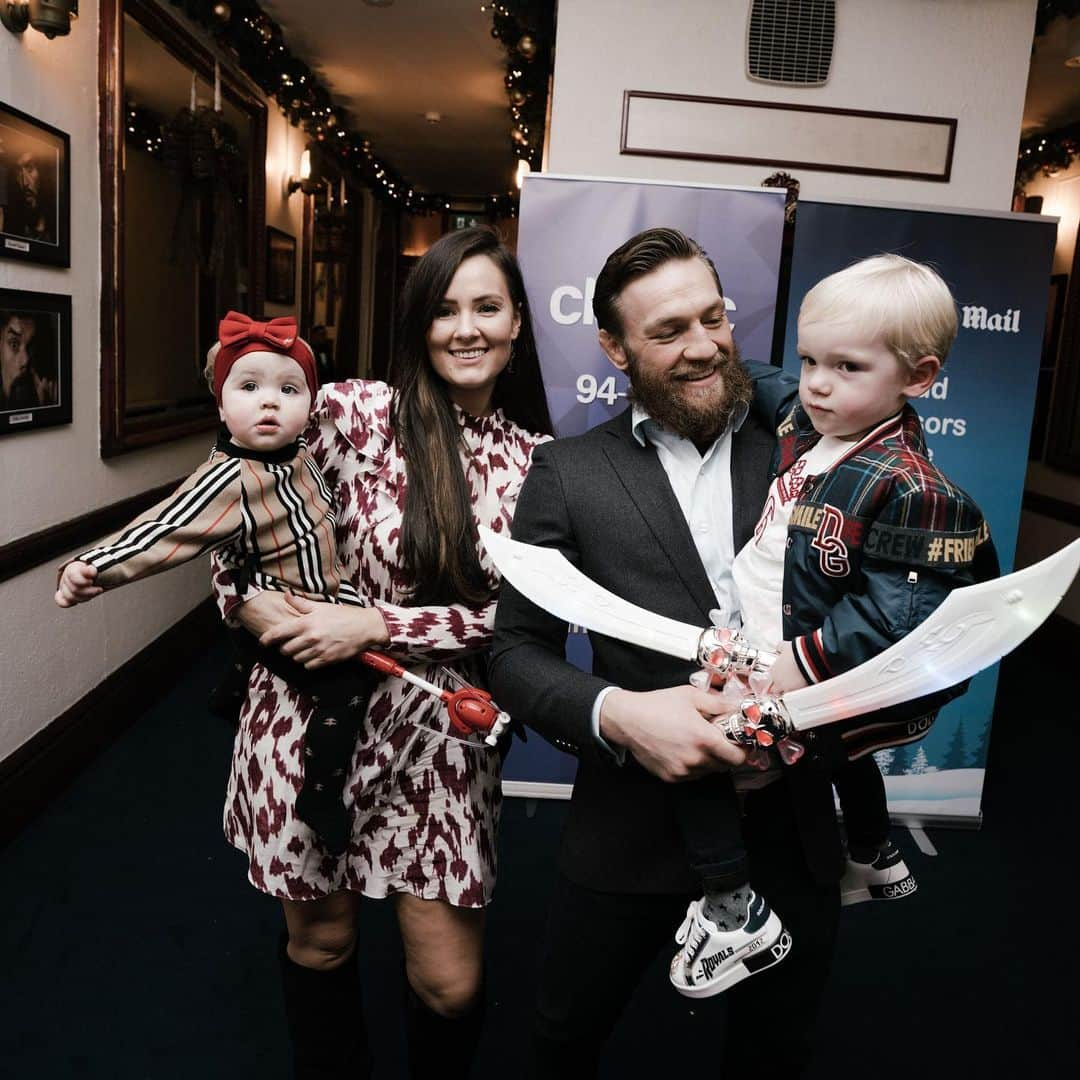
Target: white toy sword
(975,626)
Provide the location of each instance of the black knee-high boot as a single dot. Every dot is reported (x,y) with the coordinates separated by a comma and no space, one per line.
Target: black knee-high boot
(326,1021)
(440,1047)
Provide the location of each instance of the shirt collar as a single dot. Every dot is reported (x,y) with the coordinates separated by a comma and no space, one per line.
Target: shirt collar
(642,424)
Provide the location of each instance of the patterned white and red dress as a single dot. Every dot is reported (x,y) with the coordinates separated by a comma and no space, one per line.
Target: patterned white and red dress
(424,809)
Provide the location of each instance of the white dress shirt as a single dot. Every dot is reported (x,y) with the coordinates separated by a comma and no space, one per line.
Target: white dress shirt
(702,487)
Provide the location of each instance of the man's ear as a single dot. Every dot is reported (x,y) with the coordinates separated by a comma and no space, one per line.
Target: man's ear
(613,350)
(921,377)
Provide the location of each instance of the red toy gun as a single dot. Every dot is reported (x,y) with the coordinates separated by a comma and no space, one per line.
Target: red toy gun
(471,711)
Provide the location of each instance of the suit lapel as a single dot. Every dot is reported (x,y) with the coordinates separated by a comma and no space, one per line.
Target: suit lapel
(647,486)
(751,450)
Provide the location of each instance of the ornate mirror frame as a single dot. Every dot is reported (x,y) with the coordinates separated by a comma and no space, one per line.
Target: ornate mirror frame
(119,433)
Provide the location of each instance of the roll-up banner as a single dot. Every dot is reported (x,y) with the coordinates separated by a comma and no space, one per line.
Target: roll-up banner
(976,418)
(568,226)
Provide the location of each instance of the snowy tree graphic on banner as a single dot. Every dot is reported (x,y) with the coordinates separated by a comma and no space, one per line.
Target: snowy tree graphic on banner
(901,759)
(956,756)
(884,759)
(919,764)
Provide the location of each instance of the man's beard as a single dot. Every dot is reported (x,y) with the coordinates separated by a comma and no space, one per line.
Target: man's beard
(699,416)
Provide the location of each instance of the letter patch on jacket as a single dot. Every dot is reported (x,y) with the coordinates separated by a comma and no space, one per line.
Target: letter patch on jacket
(832,550)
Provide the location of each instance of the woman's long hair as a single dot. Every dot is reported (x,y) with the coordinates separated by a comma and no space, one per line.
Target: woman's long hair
(438,538)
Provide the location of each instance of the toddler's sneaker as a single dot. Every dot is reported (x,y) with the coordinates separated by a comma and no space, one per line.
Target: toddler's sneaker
(886,878)
(711,960)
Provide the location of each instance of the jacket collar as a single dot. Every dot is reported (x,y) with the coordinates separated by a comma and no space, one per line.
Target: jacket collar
(797,435)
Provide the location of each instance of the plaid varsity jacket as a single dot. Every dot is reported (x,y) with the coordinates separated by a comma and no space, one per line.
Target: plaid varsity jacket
(874,545)
(270,512)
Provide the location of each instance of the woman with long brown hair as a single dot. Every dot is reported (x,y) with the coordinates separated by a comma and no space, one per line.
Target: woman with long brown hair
(415,466)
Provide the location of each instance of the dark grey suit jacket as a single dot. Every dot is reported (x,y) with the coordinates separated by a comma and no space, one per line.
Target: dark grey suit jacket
(605,502)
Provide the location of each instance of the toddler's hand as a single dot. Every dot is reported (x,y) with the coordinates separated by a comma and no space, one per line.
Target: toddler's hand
(77,584)
(785,673)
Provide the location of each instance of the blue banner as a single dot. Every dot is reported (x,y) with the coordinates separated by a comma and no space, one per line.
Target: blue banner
(977,420)
(568,227)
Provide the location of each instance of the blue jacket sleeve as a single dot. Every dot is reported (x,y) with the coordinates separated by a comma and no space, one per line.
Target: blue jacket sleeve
(775,392)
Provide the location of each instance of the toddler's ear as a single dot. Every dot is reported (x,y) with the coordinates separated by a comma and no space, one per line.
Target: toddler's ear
(922,375)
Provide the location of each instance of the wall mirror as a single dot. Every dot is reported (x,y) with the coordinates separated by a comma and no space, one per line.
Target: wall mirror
(183,213)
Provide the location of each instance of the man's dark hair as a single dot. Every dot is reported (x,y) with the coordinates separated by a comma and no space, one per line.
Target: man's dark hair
(640,255)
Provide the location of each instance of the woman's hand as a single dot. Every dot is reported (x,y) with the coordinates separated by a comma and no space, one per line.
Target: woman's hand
(317,633)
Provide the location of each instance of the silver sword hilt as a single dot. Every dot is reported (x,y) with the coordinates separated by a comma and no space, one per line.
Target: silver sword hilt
(763,722)
(724,652)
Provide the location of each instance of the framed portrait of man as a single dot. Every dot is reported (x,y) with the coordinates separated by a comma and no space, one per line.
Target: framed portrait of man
(35,196)
(35,360)
(280,266)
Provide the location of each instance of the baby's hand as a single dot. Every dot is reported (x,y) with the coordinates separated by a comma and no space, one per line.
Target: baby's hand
(77,584)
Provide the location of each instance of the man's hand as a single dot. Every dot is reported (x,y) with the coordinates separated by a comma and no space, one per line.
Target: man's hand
(668,731)
(77,584)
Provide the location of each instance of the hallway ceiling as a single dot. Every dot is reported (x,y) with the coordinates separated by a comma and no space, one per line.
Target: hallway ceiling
(390,65)
(1053,90)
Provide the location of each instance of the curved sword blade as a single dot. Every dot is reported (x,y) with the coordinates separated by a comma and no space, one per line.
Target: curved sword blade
(545,577)
(974,627)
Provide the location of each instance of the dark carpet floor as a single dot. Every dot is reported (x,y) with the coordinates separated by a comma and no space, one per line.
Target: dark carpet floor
(133,948)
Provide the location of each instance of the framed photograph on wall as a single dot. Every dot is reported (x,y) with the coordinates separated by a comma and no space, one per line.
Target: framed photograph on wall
(280,267)
(35,190)
(35,360)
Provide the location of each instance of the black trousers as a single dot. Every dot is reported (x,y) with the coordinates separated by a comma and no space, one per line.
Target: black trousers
(598,946)
(710,821)
(861,791)
(340,693)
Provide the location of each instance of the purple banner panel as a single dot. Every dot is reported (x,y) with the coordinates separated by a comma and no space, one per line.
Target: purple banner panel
(568,227)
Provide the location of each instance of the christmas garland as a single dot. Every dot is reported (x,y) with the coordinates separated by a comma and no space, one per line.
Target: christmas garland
(526,29)
(1047,154)
(259,46)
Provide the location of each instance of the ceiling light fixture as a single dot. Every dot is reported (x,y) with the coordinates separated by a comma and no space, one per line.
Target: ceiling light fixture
(1072,53)
(378,3)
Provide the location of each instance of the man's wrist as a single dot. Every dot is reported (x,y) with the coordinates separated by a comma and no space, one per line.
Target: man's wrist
(597,721)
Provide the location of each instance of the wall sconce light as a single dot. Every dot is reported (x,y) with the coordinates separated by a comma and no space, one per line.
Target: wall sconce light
(49,17)
(305,184)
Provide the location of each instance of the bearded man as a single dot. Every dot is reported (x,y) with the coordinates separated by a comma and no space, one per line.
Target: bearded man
(653,505)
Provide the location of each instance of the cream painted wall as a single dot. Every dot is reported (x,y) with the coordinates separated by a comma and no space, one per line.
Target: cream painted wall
(49,658)
(284,145)
(960,58)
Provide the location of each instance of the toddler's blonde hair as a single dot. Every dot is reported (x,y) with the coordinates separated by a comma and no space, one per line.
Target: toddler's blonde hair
(899,301)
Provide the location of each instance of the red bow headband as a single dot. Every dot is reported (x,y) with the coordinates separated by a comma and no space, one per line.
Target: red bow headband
(240,335)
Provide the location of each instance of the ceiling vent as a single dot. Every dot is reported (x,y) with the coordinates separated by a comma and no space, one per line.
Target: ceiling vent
(791,41)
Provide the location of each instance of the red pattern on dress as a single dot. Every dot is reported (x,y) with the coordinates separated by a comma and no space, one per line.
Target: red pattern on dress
(424,810)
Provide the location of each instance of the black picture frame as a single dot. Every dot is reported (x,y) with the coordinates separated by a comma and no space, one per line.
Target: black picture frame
(280,267)
(35,190)
(35,360)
